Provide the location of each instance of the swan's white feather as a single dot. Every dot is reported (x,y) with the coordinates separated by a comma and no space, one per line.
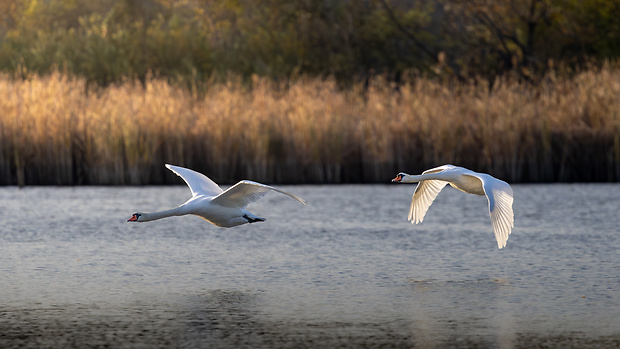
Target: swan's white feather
(198,183)
(500,197)
(423,196)
(246,192)
(425,193)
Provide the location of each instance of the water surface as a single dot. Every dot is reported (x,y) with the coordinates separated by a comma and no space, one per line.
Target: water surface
(347,270)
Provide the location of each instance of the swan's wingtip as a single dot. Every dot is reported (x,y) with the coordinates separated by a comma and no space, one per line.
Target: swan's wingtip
(175,169)
(414,220)
(295,197)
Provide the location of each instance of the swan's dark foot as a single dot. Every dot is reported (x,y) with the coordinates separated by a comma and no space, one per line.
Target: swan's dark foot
(253,220)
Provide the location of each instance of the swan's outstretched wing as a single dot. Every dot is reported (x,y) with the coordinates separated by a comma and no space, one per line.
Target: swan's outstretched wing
(423,196)
(500,198)
(245,192)
(198,183)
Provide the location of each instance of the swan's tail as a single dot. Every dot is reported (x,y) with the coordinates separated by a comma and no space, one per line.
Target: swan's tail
(253,219)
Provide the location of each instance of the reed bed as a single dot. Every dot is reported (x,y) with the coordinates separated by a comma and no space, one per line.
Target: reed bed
(54,130)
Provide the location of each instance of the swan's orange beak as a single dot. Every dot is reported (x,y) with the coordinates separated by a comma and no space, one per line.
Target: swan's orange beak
(133,218)
(398,178)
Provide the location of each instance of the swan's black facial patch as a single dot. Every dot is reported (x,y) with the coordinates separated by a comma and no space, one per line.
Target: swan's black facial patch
(134,217)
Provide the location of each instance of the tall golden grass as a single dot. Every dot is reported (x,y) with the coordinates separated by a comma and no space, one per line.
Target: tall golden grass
(54,130)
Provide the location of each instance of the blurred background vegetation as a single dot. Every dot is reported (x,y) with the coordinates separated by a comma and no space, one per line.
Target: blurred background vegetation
(192,41)
(307,91)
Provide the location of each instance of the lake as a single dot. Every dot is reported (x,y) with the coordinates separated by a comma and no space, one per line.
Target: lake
(347,270)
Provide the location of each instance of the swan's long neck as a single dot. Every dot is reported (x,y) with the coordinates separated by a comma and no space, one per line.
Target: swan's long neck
(178,211)
(418,178)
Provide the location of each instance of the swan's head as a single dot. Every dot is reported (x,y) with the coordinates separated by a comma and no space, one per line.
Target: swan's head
(135,217)
(399,177)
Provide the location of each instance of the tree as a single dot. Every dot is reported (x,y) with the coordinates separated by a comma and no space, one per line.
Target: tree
(499,35)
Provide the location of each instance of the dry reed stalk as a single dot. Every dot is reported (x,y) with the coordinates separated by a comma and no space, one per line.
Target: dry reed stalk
(54,131)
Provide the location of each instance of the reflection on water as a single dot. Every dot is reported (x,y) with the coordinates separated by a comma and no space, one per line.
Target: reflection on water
(345,271)
(221,318)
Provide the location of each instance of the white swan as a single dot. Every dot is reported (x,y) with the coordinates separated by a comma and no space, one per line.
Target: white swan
(430,183)
(209,201)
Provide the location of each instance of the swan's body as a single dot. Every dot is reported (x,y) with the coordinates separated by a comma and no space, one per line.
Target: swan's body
(209,201)
(431,182)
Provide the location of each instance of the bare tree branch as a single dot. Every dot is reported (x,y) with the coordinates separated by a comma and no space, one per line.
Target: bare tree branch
(407,33)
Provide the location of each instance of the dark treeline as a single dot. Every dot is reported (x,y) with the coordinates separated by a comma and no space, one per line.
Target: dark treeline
(193,41)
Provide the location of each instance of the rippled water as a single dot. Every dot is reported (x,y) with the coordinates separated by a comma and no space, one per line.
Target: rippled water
(347,270)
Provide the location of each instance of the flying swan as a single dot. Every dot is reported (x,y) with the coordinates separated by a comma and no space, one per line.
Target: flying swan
(430,183)
(209,201)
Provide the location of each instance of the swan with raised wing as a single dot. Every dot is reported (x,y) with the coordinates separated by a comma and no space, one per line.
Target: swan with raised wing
(209,201)
(431,182)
